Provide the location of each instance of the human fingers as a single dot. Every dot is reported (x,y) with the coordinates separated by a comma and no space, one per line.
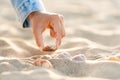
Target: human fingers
(52,33)
(56,34)
(56,28)
(38,30)
(39,40)
(58,41)
(62,26)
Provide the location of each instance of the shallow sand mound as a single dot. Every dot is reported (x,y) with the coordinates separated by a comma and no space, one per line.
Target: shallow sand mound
(63,69)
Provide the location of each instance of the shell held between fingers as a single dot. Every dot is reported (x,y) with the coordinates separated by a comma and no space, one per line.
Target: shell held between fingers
(49,48)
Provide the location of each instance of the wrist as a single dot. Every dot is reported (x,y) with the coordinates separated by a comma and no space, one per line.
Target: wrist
(31,15)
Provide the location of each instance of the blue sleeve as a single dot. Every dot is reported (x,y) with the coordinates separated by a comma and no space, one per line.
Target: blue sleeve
(25,7)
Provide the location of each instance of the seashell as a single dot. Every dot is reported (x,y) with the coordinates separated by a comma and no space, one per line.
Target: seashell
(49,48)
(79,58)
(42,63)
(36,57)
(46,57)
(64,55)
(113,58)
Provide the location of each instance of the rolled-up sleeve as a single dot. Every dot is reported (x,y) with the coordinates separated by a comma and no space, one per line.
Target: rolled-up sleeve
(25,7)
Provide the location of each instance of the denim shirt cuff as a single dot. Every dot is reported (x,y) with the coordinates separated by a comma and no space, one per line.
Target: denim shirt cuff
(27,7)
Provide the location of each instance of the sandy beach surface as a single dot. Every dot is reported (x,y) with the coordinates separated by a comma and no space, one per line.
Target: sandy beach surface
(92,30)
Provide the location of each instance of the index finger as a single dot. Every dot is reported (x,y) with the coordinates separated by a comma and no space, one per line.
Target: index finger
(39,39)
(58,41)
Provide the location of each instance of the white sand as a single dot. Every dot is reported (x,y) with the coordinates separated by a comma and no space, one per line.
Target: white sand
(92,28)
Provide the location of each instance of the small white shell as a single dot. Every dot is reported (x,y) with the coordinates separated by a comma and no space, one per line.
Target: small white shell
(79,58)
(64,55)
(46,57)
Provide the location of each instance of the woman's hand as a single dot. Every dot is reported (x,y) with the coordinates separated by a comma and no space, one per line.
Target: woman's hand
(40,21)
